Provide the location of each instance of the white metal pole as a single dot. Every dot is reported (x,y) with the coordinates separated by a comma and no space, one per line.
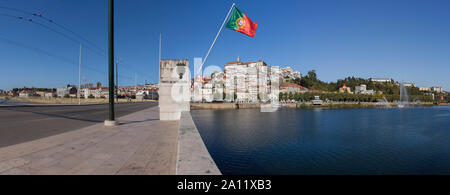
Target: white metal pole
(79,79)
(215,39)
(159,63)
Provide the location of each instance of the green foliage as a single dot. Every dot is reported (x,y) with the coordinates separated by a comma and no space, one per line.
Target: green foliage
(34,89)
(91,96)
(312,75)
(303,105)
(348,97)
(67,96)
(291,96)
(311,82)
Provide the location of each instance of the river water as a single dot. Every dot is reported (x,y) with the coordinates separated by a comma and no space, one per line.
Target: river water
(328,141)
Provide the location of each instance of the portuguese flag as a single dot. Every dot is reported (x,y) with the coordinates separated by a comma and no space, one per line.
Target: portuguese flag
(240,22)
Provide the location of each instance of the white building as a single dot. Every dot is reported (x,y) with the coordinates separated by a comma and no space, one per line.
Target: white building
(207,92)
(61,92)
(424,89)
(26,93)
(436,89)
(197,90)
(96,92)
(275,82)
(147,94)
(363,90)
(230,80)
(218,86)
(290,73)
(49,94)
(409,84)
(86,92)
(241,82)
(382,80)
(263,83)
(252,83)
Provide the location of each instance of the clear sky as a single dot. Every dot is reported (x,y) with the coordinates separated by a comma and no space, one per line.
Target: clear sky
(407,40)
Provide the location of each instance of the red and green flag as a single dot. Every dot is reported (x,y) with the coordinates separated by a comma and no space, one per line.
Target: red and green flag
(240,22)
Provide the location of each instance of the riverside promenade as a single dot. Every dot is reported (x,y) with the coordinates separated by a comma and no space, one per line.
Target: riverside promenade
(141,144)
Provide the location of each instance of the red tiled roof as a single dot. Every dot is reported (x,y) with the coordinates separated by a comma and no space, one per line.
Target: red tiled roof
(26,92)
(235,62)
(95,88)
(238,63)
(291,85)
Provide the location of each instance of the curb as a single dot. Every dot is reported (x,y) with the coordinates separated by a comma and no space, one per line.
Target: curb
(193,157)
(56,105)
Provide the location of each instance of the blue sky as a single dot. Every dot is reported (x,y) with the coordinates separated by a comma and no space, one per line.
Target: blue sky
(407,40)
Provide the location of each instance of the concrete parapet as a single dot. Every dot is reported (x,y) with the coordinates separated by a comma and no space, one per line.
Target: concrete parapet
(193,156)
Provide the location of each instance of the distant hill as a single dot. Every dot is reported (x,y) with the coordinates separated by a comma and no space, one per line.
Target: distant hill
(311,81)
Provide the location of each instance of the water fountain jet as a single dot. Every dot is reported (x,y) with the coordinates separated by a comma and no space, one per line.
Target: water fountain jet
(404,100)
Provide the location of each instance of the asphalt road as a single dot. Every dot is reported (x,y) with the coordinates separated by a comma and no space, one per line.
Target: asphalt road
(22,124)
(7,102)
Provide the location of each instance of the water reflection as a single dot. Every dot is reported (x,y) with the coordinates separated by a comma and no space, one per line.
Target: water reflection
(322,141)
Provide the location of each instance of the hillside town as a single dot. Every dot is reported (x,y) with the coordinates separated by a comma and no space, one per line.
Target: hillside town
(245,82)
(254,82)
(251,82)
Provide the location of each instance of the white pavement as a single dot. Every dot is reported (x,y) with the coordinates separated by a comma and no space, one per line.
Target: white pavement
(142,144)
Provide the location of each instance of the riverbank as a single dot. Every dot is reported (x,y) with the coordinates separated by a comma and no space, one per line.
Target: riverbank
(307,105)
(40,100)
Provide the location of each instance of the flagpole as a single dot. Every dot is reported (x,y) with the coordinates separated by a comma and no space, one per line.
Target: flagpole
(79,78)
(215,39)
(159,63)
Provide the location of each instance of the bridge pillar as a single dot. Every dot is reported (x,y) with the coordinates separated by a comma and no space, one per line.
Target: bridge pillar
(174,89)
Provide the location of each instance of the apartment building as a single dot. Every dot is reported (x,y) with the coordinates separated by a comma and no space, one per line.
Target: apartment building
(242,82)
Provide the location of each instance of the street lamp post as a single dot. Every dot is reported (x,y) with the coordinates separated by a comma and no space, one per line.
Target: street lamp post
(111,121)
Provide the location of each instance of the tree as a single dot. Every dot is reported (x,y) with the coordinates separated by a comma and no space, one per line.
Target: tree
(312,75)
(291,96)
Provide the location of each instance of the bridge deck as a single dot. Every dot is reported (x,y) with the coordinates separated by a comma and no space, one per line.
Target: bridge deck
(140,145)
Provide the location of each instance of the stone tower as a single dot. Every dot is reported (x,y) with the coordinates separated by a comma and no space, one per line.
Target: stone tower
(174,89)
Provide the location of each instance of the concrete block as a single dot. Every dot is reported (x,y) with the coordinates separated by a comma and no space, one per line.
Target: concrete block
(109,123)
